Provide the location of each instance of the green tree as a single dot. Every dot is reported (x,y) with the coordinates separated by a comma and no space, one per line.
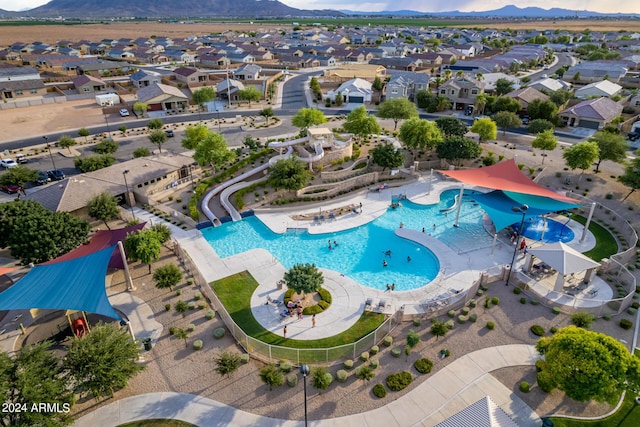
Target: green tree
(439,329)
(140,108)
(503,86)
(378,85)
(193,135)
(486,128)
(249,94)
(307,117)
(34,376)
(227,363)
(419,134)
(545,141)
(631,175)
(480,102)
(267,113)
(94,163)
(66,142)
(158,137)
(103,207)
(36,234)
(106,146)
(18,175)
(505,103)
(582,319)
(506,120)
(271,376)
(290,174)
(560,97)
(141,152)
(539,125)
(387,156)
(423,98)
(163,231)
(360,123)
(202,96)
(397,109)
(213,150)
(610,147)
(314,85)
(103,361)
(542,109)
(588,365)
(321,378)
(167,276)
(458,148)
(155,124)
(145,245)
(581,155)
(304,278)
(181,333)
(84,132)
(452,126)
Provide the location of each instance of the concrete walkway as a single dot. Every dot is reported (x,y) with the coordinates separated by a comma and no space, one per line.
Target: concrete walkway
(443,394)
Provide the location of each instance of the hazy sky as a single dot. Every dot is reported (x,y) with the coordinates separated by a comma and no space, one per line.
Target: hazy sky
(628,6)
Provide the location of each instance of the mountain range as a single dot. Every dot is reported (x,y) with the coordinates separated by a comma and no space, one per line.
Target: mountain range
(261,9)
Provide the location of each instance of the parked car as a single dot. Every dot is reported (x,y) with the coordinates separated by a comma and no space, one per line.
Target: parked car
(525,120)
(10,188)
(21,159)
(124,112)
(468,111)
(56,174)
(8,163)
(42,178)
(169,133)
(633,136)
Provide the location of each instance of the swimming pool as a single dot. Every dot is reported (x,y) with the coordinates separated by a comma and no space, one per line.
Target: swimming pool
(553,231)
(361,251)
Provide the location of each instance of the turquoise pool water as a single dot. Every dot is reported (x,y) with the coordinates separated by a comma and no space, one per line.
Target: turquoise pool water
(553,231)
(361,251)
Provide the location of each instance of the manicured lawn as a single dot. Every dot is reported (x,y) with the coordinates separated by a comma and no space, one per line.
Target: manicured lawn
(158,423)
(606,244)
(627,416)
(235,293)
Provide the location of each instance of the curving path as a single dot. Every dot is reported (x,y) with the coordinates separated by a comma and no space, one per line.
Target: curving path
(448,391)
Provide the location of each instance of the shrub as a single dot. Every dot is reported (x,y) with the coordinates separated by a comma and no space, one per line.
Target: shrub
(416,322)
(197,296)
(465,310)
(292,379)
(517,291)
(473,317)
(490,325)
(553,329)
(191,305)
(396,351)
(167,307)
(219,333)
(537,330)
(626,324)
(379,391)
(523,300)
(449,324)
(545,381)
(197,344)
(462,319)
(524,387)
(325,295)
(387,341)
(555,310)
(473,303)
(210,314)
(480,292)
(285,367)
(181,306)
(423,365)
(451,313)
(606,317)
(399,380)
(632,311)
(487,302)
(413,338)
(495,300)
(191,327)
(534,302)
(364,356)
(374,363)
(341,376)
(348,364)
(582,319)
(374,350)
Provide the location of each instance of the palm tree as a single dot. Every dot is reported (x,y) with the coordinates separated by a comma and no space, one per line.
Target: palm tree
(480,102)
(447,74)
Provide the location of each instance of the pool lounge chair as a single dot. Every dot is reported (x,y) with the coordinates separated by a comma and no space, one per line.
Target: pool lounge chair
(382,305)
(368,303)
(332,216)
(321,218)
(273,301)
(316,218)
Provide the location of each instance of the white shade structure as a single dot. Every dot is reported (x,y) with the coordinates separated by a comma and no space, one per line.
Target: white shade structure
(565,260)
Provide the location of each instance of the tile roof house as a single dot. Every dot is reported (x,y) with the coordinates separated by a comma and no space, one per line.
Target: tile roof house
(592,114)
(461,91)
(526,95)
(86,84)
(20,83)
(163,97)
(143,78)
(601,88)
(404,84)
(550,85)
(355,90)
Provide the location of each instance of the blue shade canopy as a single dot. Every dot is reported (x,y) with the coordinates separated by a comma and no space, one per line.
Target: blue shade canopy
(76,284)
(498,204)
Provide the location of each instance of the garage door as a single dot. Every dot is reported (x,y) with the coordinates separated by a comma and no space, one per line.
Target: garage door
(589,124)
(356,99)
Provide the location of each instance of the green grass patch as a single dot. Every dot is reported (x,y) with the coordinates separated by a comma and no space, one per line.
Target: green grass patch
(606,244)
(627,416)
(158,423)
(235,293)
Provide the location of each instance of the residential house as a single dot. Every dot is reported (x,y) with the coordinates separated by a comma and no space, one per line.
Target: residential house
(593,71)
(461,91)
(120,54)
(397,63)
(592,114)
(229,88)
(404,84)
(527,95)
(550,85)
(214,60)
(598,89)
(161,97)
(248,72)
(87,84)
(143,78)
(326,60)
(100,66)
(241,58)
(20,83)
(357,91)
(190,76)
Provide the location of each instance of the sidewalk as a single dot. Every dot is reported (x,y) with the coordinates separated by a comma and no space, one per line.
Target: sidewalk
(458,385)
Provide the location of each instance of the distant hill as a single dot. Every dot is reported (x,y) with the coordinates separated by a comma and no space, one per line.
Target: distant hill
(171,9)
(510,11)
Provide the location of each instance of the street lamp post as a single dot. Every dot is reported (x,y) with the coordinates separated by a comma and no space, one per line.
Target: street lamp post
(126,184)
(304,370)
(523,210)
(218,111)
(106,119)
(46,141)
(190,166)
